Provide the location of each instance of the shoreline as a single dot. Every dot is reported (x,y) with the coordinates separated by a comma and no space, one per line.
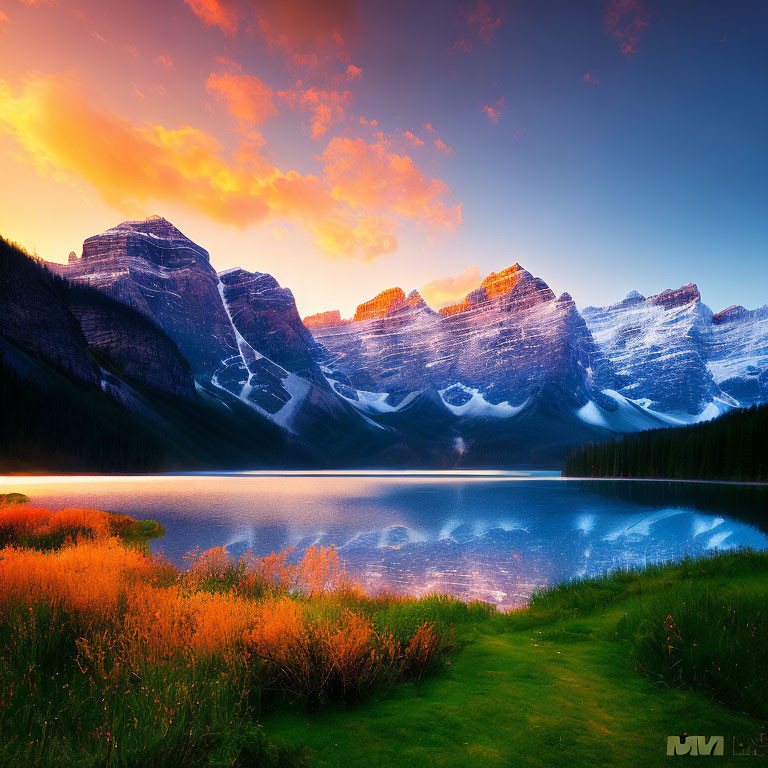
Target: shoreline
(468,474)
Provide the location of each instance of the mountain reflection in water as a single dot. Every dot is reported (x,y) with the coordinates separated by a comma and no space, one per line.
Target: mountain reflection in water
(494,537)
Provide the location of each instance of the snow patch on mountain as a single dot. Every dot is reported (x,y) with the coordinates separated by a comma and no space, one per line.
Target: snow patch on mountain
(477,406)
(636,415)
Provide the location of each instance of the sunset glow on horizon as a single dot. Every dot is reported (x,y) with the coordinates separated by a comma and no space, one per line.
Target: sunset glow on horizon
(350,147)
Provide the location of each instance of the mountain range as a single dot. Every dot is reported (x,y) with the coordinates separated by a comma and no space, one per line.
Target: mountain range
(219,370)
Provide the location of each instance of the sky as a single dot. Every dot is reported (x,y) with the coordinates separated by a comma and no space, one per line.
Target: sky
(348,147)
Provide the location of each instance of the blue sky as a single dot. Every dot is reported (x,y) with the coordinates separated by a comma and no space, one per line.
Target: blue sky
(606,146)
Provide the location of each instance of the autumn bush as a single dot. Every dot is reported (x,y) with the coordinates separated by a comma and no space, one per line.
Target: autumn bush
(108,651)
(27,526)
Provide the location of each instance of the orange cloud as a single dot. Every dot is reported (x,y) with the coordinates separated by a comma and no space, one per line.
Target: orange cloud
(227,63)
(437,141)
(373,177)
(370,238)
(448,290)
(327,107)
(306,30)
(216,13)
(247,98)
(372,123)
(413,138)
(625,21)
(493,111)
(37,3)
(306,26)
(353,73)
(125,163)
(350,210)
(4,19)
(165,61)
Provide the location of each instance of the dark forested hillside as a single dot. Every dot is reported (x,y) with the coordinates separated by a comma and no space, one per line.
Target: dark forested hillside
(733,447)
(88,384)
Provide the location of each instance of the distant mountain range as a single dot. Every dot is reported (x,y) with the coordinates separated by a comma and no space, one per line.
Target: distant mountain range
(510,375)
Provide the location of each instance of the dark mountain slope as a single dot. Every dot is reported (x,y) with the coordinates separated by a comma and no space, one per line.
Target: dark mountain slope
(88,384)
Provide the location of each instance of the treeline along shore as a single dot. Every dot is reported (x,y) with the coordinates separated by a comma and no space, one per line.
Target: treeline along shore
(733,447)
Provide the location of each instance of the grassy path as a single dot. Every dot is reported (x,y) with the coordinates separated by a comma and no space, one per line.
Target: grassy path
(560,694)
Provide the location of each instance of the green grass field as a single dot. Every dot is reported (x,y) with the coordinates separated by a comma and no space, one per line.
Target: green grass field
(582,678)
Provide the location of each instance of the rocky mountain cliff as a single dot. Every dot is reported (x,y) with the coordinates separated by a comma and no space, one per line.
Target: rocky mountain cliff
(239,331)
(89,384)
(510,374)
(671,354)
(514,353)
(514,342)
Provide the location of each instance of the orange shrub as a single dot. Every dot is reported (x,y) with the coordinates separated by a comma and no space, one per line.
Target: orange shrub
(319,571)
(89,577)
(267,574)
(129,608)
(18,520)
(207,565)
(93,521)
(338,654)
(161,623)
(20,523)
(423,651)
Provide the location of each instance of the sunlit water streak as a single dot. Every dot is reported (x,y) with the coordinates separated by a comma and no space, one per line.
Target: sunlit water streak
(487,534)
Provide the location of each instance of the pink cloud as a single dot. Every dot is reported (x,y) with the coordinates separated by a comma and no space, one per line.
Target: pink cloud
(216,13)
(413,138)
(327,107)
(353,73)
(165,61)
(248,99)
(625,21)
(478,22)
(493,111)
(306,31)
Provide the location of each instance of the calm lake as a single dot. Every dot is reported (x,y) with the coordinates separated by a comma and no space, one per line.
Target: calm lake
(495,536)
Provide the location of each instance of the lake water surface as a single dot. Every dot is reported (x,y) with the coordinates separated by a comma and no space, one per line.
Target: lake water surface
(495,536)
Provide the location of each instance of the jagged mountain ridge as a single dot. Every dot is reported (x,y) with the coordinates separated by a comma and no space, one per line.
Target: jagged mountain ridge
(89,384)
(642,362)
(672,354)
(240,331)
(507,347)
(512,373)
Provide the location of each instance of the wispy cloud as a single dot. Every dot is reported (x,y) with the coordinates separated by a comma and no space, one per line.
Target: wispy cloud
(625,21)
(477,22)
(327,107)
(448,290)
(351,209)
(247,98)
(493,111)
(308,32)
(165,61)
